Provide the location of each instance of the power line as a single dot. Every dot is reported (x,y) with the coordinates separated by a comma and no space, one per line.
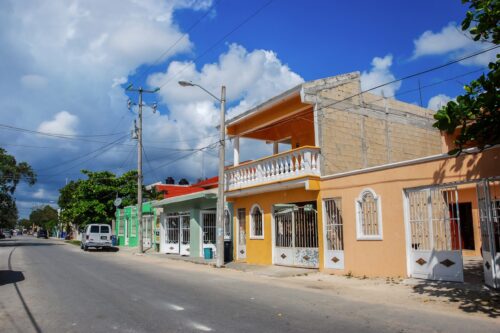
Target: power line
(143,72)
(223,38)
(57,135)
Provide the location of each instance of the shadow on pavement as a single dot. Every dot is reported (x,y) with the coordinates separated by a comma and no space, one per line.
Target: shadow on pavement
(472,296)
(110,249)
(8,277)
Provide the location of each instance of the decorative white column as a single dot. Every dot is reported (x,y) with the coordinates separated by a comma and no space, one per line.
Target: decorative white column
(236,150)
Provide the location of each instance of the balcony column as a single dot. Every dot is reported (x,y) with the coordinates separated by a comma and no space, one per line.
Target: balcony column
(236,150)
(275,147)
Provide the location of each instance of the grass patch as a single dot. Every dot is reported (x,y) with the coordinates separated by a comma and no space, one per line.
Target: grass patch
(73,242)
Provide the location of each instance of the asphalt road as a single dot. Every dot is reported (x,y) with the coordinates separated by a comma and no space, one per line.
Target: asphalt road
(49,286)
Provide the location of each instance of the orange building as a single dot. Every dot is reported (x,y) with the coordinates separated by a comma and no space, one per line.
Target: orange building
(364,186)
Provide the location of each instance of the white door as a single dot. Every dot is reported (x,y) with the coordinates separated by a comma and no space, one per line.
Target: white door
(296,236)
(489,214)
(147,226)
(333,229)
(172,226)
(242,235)
(433,228)
(208,219)
(185,234)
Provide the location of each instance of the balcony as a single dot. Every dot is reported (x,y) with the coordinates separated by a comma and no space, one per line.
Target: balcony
(292,164)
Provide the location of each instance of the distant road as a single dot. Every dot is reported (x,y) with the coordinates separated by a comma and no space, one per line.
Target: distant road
(51,286)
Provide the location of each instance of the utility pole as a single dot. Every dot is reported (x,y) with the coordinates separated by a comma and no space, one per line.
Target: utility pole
(220,195)
(139,156)
(219,240)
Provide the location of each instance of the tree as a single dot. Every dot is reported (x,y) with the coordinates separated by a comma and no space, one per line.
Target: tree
(91,200)
(44,217)
(170,181)
(11,173)
(183,181)
(475,117)
(24,224)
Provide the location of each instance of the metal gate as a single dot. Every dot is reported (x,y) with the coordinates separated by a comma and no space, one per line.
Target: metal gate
(177,233)
(185,234)
(209,219)
(242,234)
(433,234)
(147,231)
(296,236)
(334,233)
(488,197)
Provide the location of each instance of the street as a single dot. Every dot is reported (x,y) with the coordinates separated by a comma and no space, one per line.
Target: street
(51,286)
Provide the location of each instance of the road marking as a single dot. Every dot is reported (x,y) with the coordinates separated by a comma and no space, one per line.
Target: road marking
(201,327)
(175,307)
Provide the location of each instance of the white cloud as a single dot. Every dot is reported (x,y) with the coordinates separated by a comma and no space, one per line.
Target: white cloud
(380,73)
(33,81)
(39,194)
(436,102)
(453,41)
(63,123)
(193,113)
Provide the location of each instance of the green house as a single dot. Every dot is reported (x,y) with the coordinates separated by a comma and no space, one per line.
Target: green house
(127,226)
(188,224)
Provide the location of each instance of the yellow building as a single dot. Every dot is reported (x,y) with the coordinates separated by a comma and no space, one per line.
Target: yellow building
(338,196)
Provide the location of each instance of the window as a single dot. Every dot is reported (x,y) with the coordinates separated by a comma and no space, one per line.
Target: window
(256,223)
(227,225)
(104,229)
(94,229)
(369,216)
(121,228)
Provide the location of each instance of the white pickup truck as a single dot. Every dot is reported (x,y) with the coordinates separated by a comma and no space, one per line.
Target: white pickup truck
(97,236)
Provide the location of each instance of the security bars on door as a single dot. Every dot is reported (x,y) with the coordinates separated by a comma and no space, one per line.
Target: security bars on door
(185,228)
(296,227)
(173,225)
(334,225)
(434,220)
(242,226)
(209,222)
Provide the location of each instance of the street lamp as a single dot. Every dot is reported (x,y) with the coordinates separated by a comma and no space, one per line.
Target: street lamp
(220,195)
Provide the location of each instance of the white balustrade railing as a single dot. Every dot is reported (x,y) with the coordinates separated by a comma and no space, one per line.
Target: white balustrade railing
(287,165)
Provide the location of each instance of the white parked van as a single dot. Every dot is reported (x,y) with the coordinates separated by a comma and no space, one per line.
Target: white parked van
(96,235)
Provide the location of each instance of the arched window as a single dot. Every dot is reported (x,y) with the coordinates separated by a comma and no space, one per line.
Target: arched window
(227,225)
(256,222)
(369,216)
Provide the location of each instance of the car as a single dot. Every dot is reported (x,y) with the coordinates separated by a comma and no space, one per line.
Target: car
(7,233)
(96,236)
(2,235)
(42,234)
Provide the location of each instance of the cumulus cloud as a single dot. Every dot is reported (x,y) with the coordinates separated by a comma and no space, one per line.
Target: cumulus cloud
(453,41)
(380,73)
(438,101)
(63,123)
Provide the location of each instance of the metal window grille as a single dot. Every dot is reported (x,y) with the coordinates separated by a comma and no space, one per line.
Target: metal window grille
(368,215)
(121,226)
(209,228)
(284,227)
(185,227)
(334,225)
(242,226)
(257,225)
(227,225)
(133,229)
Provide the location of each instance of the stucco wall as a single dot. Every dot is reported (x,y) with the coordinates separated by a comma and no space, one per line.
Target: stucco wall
(259,251)
(387,257)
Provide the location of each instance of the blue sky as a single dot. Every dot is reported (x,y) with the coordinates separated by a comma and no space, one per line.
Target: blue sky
(65,66)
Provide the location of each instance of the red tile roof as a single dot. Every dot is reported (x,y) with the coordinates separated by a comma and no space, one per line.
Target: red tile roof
(173,190)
